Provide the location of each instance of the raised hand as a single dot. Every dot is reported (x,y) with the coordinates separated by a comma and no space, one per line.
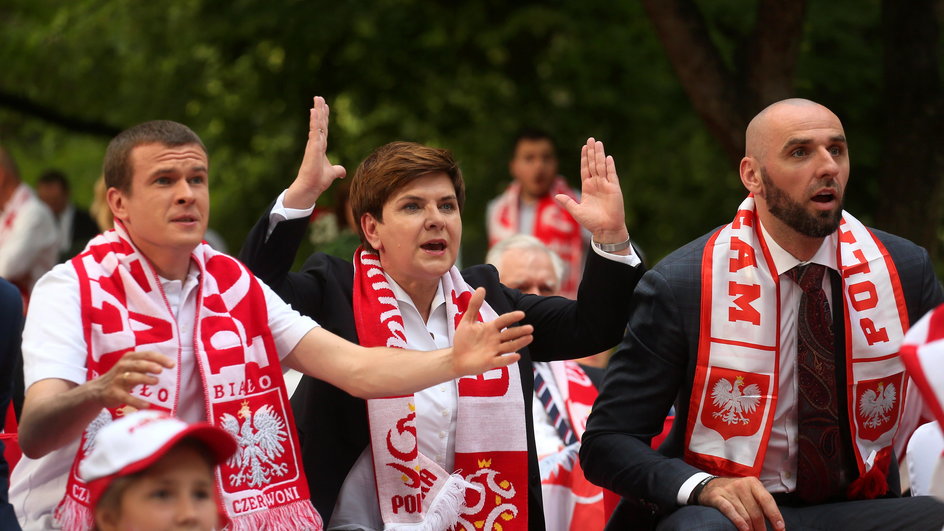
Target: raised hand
(600,209)
(479,347)
(134,368)
(316,172)
(744,501)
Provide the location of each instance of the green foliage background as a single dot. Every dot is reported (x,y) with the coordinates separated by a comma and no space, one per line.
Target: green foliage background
(461,75)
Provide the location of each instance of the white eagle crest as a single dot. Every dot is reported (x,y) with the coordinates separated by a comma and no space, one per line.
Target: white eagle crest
(259,444)
(734,402)
(91,431)
(563,461)
(874,406)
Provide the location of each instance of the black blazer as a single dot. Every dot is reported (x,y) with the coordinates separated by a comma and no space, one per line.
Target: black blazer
(332,424)
(654,367)
(84,229)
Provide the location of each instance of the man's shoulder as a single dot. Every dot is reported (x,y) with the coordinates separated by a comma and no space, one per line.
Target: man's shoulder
(897,244)
(480,275)
(60,276)
(325,264)
(685,256)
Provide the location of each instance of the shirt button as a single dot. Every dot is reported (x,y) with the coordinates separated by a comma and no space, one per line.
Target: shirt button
(787,475)
(442,435)
(445,412)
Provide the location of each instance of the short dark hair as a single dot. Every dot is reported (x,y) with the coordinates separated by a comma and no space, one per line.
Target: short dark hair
(54,176)
(117,166)
(391,167)
(532,134)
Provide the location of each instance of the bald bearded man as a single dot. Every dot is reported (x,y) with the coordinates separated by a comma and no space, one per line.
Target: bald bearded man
(776,337)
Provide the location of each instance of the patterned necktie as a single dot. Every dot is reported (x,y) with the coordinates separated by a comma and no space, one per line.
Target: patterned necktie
(557,419)
(819,459)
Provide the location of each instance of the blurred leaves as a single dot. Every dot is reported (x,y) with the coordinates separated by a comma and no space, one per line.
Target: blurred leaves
(461,75)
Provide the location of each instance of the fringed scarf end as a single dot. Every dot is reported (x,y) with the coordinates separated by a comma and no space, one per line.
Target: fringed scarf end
(72,515)
(300,515)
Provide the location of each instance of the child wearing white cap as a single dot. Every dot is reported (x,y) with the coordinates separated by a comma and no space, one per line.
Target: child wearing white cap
(149,470)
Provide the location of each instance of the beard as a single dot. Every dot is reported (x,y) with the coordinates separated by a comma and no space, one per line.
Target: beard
(792,213)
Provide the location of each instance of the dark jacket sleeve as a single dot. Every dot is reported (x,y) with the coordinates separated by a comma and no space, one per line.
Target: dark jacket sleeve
(271,260)
(651,369)
(642,381)
(919,283)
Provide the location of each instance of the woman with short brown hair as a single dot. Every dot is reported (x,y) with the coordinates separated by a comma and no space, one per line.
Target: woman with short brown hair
(462,452)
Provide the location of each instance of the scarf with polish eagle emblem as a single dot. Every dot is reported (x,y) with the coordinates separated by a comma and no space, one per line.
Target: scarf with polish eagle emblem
(737,374)
(488,490)
(553,225)
(124,309)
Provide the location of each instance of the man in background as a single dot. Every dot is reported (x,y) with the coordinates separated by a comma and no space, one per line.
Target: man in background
(75,225)
(564,391)
(28,242)
(528,206)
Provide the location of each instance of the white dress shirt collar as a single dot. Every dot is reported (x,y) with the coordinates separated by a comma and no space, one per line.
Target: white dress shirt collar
(784,261)
(402,296)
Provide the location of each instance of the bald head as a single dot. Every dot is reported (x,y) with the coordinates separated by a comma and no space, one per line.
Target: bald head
(525,263)
(761,131)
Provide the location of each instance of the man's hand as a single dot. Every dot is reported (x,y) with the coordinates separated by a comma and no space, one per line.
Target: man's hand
(600,209)
(56,412)
(134,368)
(744,501)
(479,347)
(316,172)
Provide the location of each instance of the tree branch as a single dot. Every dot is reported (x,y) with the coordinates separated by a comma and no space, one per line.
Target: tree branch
(712,89)
(24,105)
(772,51)
(913,165)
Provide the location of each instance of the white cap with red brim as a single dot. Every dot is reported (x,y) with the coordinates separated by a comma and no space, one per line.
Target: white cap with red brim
(138,440)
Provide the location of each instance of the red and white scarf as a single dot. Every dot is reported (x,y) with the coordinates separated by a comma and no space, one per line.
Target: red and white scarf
(124,309)
(570,500)
(923,355)
(737,375)
(489,487)
(553,225)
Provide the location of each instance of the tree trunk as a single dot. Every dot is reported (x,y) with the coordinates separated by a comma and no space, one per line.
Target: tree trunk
(725,101)
(913,161)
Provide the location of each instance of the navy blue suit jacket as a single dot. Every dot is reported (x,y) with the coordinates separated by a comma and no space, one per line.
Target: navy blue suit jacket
(654,368)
